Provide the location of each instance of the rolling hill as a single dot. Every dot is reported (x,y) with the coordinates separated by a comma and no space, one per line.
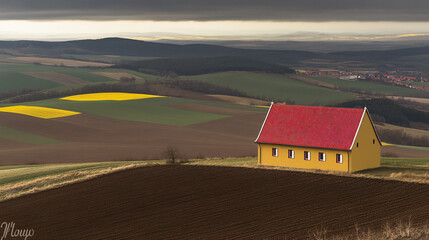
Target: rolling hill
(136,48)
(128,47)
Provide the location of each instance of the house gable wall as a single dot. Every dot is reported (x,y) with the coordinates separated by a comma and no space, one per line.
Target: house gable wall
(367,154)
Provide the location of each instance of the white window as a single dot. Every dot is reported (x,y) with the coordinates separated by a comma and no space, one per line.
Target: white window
(322,157)
(275,152)
(291,154)
(307,155)
(339,158)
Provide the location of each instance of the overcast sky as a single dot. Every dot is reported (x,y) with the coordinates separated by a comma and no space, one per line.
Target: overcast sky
(51,17)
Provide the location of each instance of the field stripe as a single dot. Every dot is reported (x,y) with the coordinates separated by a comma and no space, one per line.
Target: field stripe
(25,137)
(109,96)
(39,112)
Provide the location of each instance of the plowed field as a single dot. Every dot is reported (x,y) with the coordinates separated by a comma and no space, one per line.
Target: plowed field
(199,202)
(90,138)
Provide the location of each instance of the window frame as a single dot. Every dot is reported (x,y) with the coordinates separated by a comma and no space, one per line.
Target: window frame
(309,156)
(290,154)
(323,159)
(275,152)
(339,158)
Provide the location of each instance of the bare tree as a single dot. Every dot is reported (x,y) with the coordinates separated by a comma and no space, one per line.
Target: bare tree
(172,154)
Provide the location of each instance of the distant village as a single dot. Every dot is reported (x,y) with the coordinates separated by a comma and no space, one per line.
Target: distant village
(404,79)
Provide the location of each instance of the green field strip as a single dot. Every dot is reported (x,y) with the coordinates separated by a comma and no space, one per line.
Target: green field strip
(233,106)
(404,161)
(411,147)
(276,87)
(82,73)
(10,80)
(152,110)
(25,137)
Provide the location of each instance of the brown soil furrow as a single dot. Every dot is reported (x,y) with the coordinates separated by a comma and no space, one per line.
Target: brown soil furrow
(198,202)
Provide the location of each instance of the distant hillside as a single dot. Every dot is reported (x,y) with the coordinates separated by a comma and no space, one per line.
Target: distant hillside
(128,47)
(386,55)
(196,66)
(385,110)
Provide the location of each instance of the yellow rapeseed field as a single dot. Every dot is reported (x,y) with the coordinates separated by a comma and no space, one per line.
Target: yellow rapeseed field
(109,96)
(386,144)
(260,106)
(39,112)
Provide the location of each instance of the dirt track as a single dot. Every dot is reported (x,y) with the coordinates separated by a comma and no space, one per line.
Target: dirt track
(197,202)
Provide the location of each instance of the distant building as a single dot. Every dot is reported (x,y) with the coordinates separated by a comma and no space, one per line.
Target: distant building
(326,138)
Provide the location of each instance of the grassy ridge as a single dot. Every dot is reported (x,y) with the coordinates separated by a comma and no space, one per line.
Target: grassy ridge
(275,87)
(20,180)
(24,179)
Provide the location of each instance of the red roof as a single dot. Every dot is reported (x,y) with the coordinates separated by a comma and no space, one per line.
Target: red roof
(320,127)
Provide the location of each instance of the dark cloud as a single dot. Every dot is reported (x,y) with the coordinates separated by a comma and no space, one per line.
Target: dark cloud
(285,10)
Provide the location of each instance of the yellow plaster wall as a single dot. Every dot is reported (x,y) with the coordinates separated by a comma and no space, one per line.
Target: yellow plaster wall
(367,155)
(265,158)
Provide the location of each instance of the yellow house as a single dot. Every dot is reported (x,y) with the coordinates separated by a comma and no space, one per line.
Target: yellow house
(326,138)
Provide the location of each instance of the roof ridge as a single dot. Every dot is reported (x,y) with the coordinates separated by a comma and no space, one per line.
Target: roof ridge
(323,107)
